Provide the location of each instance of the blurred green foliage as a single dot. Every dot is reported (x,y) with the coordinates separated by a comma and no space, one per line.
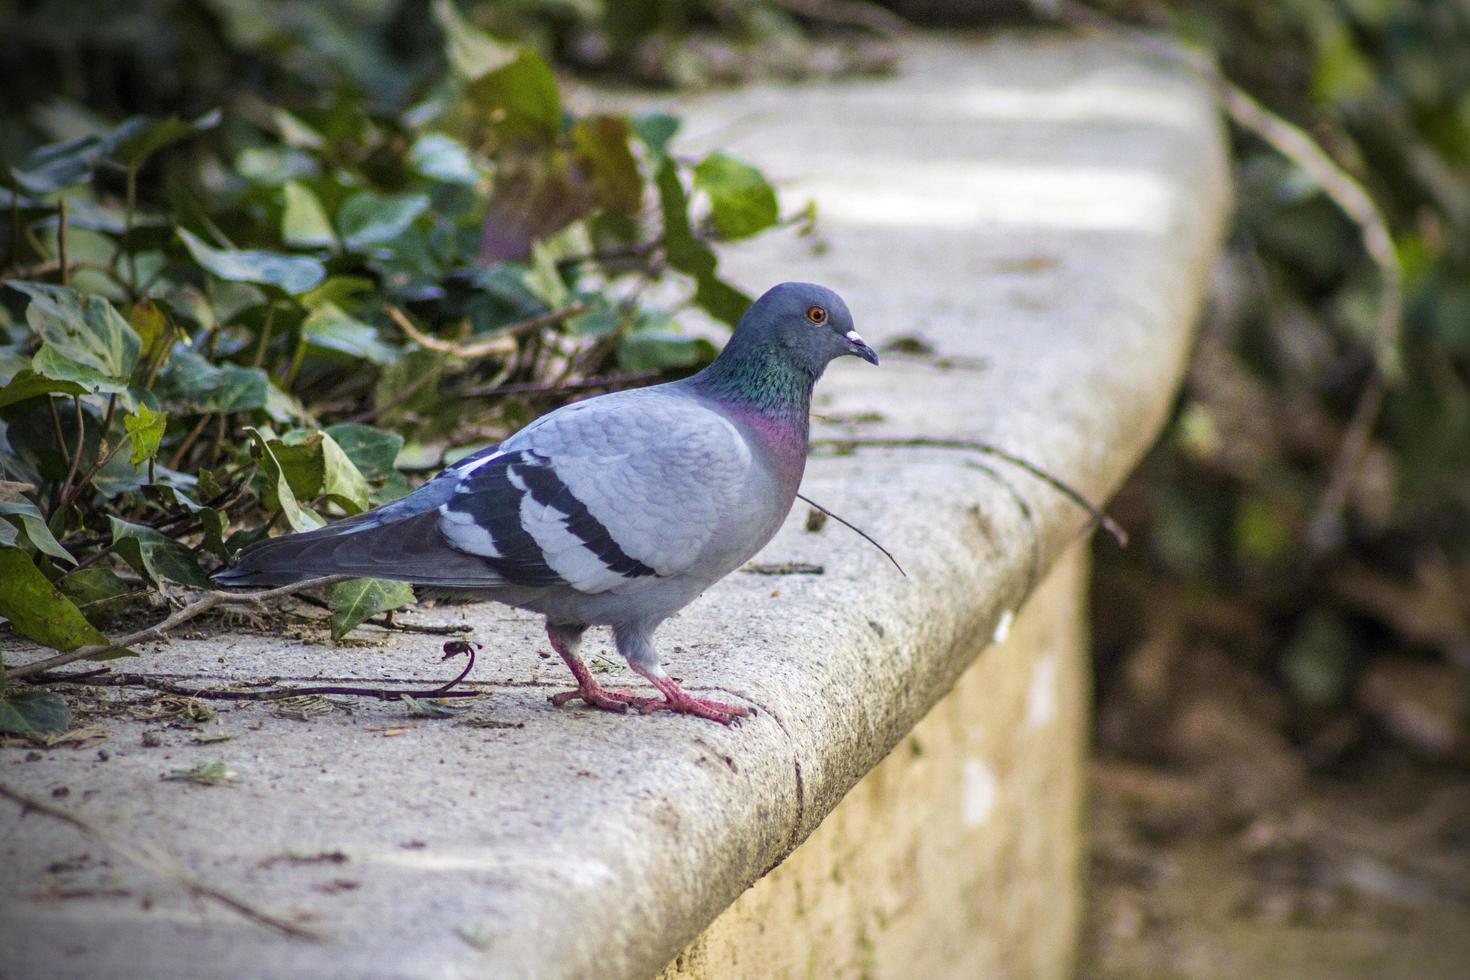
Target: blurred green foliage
(1233,500)
(263,260)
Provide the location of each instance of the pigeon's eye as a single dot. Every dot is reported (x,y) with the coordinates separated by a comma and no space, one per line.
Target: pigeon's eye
(816,314)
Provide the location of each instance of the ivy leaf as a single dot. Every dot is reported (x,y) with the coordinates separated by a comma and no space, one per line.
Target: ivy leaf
(304,222)
(84,339)
(37,609)
(329,327)
(357,599)
(691,256)
(655,129)
(28,384)
(154,555)
(140,137)
(367,219)
(278,488)
(472,52)
(315,466)
(521,99)
(34,713)
(657,350)
(373,451)
(602,143)
(742,200)
(152,328)
(34,527)
(291,273)
(443,158)
(57,166)
(99,592)
(146,427)
(191,385)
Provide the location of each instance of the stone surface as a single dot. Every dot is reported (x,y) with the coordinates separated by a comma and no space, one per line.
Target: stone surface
(1042,211)
(960,854)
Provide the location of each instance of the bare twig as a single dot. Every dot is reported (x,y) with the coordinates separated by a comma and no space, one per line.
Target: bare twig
(489,345)
(105,678)
(65,496)
(861,533)
(1056,483)
(160,863)
(61,248)
(180,616)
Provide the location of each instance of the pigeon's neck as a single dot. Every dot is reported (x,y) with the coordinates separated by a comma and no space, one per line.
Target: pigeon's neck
(765,390)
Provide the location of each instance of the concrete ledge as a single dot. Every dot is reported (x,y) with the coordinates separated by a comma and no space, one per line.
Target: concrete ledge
(1044,212)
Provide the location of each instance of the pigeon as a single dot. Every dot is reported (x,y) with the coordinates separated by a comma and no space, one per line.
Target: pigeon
(616,511)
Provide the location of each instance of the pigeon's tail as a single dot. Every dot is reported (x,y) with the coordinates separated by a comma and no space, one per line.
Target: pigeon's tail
(409,550)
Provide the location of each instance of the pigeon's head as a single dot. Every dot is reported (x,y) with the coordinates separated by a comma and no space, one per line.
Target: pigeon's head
(810,323)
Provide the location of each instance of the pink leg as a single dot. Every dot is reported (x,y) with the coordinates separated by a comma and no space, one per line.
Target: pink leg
(678,700)
(588,690)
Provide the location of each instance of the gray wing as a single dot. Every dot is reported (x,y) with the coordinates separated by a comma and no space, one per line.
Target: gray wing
(399,540)
(604,495)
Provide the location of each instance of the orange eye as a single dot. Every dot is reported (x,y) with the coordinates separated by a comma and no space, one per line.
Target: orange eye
(817,315)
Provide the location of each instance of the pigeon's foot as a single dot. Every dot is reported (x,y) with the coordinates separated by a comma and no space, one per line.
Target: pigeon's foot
(679,700)
(598,696)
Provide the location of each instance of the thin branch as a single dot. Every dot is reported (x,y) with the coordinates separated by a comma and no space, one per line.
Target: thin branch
(61,248)
(160,863)
(489,345)
(105,678)
(76,457)
(990,449)
(861,533)
(209,601)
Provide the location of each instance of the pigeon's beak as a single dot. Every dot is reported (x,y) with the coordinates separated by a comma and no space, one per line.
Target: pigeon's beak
(859,346)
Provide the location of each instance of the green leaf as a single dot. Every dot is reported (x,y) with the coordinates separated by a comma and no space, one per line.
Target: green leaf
(443,158)
(742,200)
(315,466)
(520,99)
(154,555)
(602,142)
(373,451)
(278,487)
(28,384)
(691,256)
(191,385)
(152,328)
(146,427)
(357,599)
(37,609)
(290,273)
(140,137)
(655,129)
(367,218)
(330,328)
(472,52)
(98,591)
(84,339)
(34,713)
(656,350)
(304,222)
(34,526)
(57,166)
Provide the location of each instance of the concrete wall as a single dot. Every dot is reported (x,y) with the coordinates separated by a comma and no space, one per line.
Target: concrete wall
(961,854)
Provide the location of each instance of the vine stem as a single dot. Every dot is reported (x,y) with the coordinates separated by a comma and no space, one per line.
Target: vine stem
(180,616)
